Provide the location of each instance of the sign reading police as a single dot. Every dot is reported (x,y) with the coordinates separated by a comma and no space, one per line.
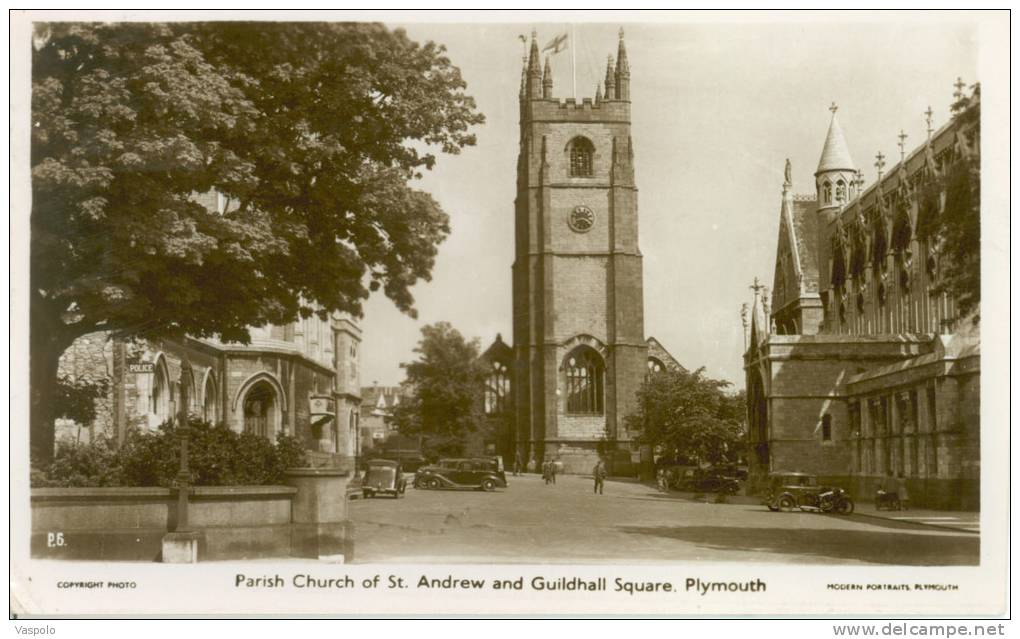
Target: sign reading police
(140,367)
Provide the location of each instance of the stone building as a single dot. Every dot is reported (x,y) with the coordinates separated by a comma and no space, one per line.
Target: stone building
(302,379)
(579,348)
(378,404)
(860,368)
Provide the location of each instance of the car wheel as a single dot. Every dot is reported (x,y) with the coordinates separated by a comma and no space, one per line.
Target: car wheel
(786,503)
(774,509)
(845,507)
(488,485)
(366,494)
(432,483)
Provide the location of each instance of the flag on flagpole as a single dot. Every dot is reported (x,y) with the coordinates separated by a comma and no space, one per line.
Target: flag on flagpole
(557,44)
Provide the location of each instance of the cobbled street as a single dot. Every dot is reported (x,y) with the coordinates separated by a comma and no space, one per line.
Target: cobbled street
(632,523)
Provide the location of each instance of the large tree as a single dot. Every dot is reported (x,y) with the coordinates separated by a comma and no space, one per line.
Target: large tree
(444,386)
(312,134)
(690,416)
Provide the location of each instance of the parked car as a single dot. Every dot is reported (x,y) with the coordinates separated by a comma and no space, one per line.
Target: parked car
(481,474)
(383,477)
(789,490)
(707,480)
(410,460)
(737,471)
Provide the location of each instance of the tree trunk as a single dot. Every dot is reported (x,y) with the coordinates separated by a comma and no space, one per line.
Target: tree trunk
(46,344)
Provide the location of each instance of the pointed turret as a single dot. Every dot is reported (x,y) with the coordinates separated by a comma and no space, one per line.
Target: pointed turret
(622,71)
(547,81)
(534,69)
(610,78)
(835,154)
(836,177)
(598,93)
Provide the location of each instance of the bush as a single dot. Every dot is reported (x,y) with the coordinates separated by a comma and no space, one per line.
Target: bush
(217,456)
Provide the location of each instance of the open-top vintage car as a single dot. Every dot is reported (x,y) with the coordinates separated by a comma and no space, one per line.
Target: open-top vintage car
(383,477)
(478,473)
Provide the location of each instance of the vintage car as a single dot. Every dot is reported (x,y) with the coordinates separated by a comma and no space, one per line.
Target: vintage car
(789,490)
(478,473)
(383,477)
(705,480)
(410,460)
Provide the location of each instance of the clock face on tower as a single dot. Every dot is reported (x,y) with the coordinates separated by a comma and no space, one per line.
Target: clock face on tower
(581,219)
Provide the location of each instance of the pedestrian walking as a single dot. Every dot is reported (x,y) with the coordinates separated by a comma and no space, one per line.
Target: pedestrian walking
(545,470)
(517,464)
(599,473)
(901,491)
(552,471)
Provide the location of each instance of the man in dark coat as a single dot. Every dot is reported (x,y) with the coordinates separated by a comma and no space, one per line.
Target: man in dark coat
(599,473)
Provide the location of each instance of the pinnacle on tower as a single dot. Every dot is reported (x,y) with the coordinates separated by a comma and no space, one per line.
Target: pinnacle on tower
(598,92)
(835,154)
(610,78)
(534,68)
(547,80)
(524,77)
(622,71)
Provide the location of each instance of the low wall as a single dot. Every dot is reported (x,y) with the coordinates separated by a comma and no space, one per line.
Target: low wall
(235,522)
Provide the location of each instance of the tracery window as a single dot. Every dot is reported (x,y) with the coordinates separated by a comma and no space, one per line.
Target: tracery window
(840,191)
(827,192)
(497,389)
(655,366)
(582,154)
(585,381)
(210,412)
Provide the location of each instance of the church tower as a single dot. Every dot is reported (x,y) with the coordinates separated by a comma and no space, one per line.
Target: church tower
(579,343)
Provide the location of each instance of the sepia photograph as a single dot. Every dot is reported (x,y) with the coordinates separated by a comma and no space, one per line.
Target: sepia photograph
(513,312)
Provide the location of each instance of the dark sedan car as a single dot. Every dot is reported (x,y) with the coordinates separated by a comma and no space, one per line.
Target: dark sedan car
(481,474)
(703,480)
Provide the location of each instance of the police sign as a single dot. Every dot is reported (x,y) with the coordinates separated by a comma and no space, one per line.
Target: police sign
(140,367)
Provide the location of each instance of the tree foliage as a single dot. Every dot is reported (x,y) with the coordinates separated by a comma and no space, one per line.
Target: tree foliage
(76,399)
(689,416)
(444,385)
(312,133)
(959,226)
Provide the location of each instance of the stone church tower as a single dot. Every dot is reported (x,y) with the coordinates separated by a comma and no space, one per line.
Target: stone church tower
(579,344)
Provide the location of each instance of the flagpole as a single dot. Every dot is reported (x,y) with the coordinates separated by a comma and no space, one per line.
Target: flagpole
(573,57)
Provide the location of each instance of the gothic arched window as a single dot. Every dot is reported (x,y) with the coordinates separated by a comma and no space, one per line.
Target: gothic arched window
(210,405)
(655,365)
(840,191)
(160,404)
(582,153)
(827,192)
(497,389)
(585,381)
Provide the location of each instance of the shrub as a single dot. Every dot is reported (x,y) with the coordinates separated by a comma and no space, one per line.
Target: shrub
(217,456)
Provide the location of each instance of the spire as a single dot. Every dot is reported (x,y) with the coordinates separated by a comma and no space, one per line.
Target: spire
(547,80)
(622,71)
(598,92)
(835,154)
(610,78)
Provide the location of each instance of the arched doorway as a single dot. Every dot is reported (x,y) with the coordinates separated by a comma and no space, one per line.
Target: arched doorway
(261,409)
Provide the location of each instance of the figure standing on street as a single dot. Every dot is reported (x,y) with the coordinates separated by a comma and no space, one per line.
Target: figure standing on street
(599,473)
(901,491)
(552,471)
(517,464)
(545,470)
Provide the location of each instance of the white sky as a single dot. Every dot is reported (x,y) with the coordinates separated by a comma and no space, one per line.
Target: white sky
(716,110)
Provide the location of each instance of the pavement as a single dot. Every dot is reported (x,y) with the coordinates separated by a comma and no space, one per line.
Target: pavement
(531,522)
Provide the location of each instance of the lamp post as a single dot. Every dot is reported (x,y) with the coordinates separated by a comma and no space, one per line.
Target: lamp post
(181,545)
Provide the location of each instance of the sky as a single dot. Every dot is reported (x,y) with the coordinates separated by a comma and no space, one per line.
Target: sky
(716,110)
